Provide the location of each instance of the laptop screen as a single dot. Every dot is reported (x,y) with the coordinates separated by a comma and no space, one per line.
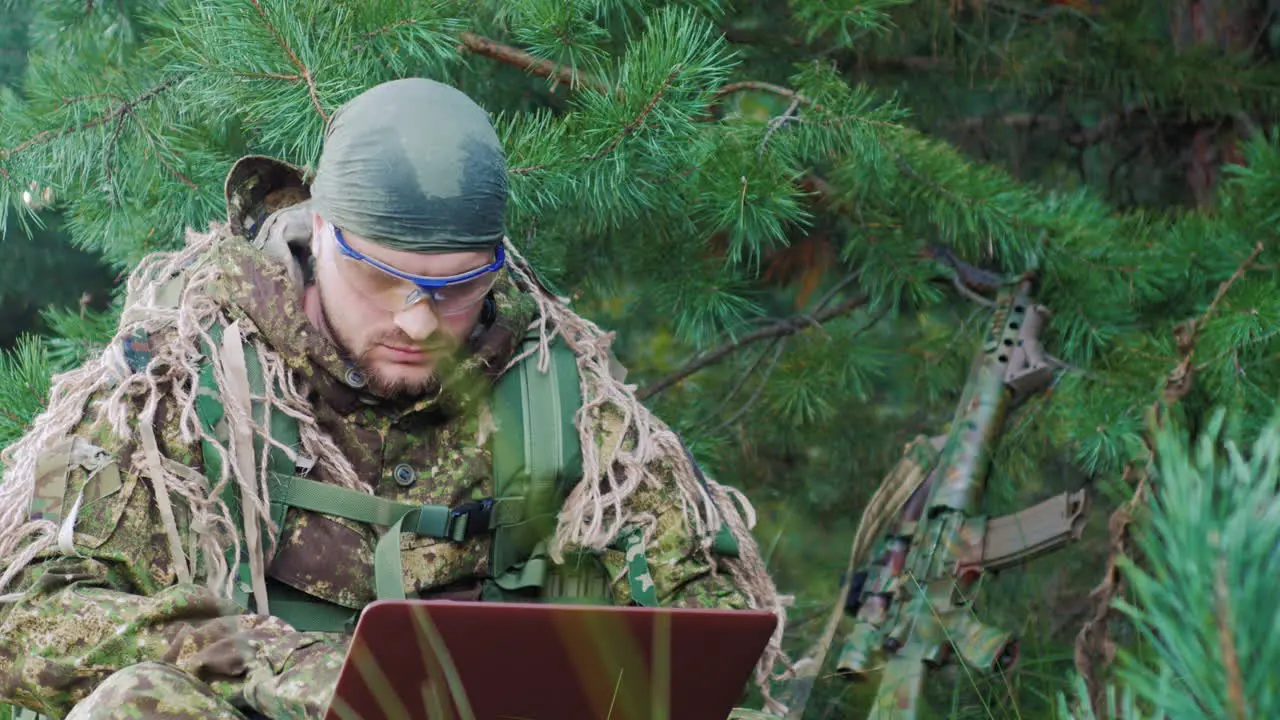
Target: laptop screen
(447,660)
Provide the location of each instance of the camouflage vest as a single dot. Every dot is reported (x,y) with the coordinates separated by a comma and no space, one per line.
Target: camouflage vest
(536,462)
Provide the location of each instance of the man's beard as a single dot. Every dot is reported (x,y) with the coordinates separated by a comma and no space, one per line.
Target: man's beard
(396,387)
(379,383)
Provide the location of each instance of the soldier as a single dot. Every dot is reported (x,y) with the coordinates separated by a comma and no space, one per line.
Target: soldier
(192,525)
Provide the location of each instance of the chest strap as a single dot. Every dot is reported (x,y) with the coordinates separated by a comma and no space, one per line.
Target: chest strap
(458,523)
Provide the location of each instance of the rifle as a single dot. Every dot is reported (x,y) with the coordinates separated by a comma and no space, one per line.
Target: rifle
(930,543)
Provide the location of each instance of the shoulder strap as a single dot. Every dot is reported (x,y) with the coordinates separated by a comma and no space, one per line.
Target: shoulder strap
(284,429)
(537,458)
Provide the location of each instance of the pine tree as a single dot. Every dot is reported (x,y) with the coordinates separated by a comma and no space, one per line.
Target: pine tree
(45,250)
(755,197)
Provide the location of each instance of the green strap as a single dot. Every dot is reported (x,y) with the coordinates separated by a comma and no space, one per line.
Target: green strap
(333,500)
(726,545)
(643,591)
(536,460)
(446,524)
(536,456)
(438,521)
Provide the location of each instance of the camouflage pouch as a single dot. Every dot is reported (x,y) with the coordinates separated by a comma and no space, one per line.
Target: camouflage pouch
(77,481)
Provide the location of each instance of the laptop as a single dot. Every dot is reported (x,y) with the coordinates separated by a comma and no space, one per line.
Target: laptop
(457,660)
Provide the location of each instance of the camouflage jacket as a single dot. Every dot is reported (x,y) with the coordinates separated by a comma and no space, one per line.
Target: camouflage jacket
(118,601)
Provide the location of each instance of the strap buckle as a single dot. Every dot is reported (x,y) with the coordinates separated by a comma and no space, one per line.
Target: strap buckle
(475,516)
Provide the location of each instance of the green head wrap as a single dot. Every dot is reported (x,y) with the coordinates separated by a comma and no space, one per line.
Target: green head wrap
(413,165)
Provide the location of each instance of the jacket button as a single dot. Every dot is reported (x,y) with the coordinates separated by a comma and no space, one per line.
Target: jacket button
(355,378)
(405,475)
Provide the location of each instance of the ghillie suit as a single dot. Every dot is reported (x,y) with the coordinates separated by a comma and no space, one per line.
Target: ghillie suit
(122,545)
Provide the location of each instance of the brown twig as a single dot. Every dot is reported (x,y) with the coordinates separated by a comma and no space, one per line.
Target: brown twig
(293,58)
(745,85)
(1094,648)
(388,28)
(1224,287)
(1230,657)
(787,326)
(538,66)
(110,147)
(1178,383)
(12,418)
(776,123)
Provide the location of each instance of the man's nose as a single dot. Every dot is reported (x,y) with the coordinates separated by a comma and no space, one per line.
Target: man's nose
(418,320)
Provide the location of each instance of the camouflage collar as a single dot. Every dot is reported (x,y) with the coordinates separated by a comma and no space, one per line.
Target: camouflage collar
(264,290)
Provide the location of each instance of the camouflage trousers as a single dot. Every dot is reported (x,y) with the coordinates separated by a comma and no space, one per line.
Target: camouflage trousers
(154,690)
(289,681)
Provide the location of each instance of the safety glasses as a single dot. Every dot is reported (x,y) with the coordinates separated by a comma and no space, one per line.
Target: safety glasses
(395,291)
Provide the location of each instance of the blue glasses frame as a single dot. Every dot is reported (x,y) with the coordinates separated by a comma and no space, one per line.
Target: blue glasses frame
(426,285)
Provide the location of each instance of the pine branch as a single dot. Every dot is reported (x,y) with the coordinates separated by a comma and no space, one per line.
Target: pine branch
(155,149)
(24,386)
(777,329)
(545,68)
(639,119)
(303,71)
(116,113)
(1178,381)
(1092,641)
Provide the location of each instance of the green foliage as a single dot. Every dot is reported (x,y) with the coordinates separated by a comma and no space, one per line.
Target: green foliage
(844,21)
(76,336)
(24,386)
(1203,601)
(1131,164)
